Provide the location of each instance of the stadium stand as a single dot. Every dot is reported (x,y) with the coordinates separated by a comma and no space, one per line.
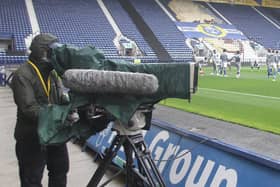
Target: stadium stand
(272,13)
(146,31)
(78,22)
(14,20)
(128,28)
(229,45)
(8,60)
(164,29)
(271,3)
(189,11)
(258,30)
(90,27)
(240,2)
(166,4)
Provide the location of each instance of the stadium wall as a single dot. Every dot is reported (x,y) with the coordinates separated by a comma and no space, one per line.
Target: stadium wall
(188,159)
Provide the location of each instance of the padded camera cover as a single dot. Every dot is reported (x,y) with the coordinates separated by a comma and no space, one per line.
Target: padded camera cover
(173,80)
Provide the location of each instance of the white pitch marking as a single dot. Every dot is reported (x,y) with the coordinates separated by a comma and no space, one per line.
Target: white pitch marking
(240,93)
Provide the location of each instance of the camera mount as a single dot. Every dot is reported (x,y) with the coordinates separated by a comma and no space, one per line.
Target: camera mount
(131,138)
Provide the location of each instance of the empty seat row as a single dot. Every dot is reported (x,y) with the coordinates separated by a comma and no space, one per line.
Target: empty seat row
(260,29)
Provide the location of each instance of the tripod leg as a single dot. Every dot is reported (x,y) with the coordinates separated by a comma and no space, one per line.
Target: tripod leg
(153,172)
(134,178)
(109,155)
(129,164)
(147,166)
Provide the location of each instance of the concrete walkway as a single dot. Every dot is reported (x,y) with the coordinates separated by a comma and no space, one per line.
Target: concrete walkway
(82,166)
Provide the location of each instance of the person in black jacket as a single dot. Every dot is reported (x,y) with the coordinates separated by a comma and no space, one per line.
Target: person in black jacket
(34,84)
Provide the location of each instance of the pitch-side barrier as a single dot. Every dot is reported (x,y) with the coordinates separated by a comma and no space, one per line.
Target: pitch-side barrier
(187,159)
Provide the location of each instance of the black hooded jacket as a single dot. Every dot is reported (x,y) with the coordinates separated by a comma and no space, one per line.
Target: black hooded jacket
(29,95)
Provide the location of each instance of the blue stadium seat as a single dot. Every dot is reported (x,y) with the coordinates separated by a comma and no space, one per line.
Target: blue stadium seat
(251,23)
(82,23)
(128,28)
(164,29)
(76,22)
(14,20)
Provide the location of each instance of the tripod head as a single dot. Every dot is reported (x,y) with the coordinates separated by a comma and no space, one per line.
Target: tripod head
(139,166)
(140,120)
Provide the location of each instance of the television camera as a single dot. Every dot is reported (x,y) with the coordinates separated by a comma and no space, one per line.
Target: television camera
(105,90)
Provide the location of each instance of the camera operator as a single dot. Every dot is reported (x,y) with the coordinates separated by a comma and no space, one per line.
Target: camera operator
(34,84)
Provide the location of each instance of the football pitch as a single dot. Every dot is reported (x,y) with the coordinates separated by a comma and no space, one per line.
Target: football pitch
(253,100)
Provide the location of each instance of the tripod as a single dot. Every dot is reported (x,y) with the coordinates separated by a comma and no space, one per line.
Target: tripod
(132,141)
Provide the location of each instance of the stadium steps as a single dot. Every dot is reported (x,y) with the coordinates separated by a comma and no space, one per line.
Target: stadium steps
(145,30)
(32,16)
(229,45)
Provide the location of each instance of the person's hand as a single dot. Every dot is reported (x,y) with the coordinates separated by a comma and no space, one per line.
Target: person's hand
(72,117)
(65,100)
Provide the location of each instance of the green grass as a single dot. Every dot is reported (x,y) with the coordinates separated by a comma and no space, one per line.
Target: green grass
(252,100)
